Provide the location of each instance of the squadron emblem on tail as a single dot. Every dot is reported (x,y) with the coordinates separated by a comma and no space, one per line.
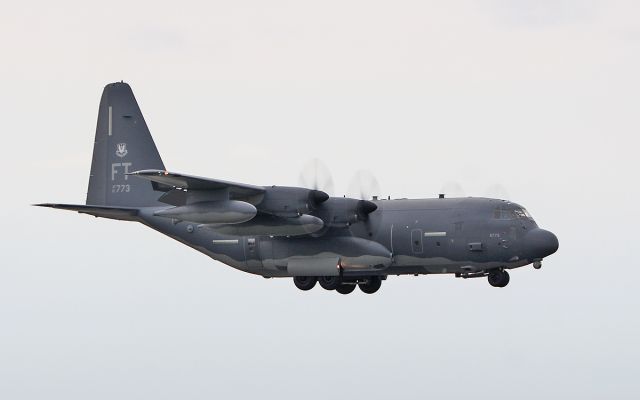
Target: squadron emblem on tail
(121,150)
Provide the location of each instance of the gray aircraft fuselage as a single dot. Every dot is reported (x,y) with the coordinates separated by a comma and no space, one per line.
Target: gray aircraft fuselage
(441,235)
(277,231)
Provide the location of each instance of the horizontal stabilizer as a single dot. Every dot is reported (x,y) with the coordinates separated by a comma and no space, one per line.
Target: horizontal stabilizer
(121,213)
(190,182)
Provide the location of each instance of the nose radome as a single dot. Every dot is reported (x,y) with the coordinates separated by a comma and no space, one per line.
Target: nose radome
(541,243)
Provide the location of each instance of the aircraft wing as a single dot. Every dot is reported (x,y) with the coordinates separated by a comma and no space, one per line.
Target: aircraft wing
(191,182)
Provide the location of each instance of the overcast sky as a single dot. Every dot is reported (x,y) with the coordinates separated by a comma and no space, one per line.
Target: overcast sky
(536,99)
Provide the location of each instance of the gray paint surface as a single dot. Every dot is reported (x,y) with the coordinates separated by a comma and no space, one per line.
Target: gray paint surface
(379,238)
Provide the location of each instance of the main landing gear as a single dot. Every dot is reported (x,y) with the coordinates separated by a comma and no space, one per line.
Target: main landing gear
(369,284)
(498,278)
(345,288)
(329,282)
(305,282)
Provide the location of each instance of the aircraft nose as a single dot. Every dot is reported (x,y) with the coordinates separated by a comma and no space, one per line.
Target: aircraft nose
(541,243)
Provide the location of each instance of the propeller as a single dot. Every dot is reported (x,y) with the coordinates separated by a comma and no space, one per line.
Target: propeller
(315,175)
(339,212)
(364,208)
(364,185)
(497,191)
(494,191)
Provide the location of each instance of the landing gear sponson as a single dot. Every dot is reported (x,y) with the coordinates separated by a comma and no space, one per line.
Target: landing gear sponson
(368,285)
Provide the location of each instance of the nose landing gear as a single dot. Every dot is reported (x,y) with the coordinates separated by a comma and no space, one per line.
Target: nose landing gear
(498,278)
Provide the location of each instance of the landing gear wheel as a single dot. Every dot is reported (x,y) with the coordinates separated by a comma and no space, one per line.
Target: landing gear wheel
(498,278)
(305,282)
(345,288)
(372,285)
(329,282)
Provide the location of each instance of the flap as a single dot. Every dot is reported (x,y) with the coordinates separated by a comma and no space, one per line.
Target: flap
(190,182)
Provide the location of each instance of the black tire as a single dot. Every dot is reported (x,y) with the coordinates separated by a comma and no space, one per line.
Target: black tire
(329,282)
(498,278)
(305,282)
(372,285)
(506,280)
(345,288)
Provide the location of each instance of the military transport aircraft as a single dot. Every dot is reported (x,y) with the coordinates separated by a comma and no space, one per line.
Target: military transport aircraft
(298,232)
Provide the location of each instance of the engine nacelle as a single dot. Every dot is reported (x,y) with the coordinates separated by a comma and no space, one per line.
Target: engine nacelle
(344,211)
(287,201)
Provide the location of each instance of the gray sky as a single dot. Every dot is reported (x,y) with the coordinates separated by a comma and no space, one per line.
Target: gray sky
(539,97)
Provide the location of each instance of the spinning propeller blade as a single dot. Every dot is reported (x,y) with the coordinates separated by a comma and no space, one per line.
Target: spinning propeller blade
(364,185)
(315,175)
(497,191)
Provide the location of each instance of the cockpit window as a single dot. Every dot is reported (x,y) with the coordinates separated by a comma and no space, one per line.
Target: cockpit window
(500,213)
(522,213)
(514,213)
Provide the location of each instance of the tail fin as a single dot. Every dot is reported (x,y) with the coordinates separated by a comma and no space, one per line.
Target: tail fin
(122,144)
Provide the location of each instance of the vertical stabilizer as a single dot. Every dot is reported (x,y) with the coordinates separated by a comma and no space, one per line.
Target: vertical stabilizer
(122,144)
